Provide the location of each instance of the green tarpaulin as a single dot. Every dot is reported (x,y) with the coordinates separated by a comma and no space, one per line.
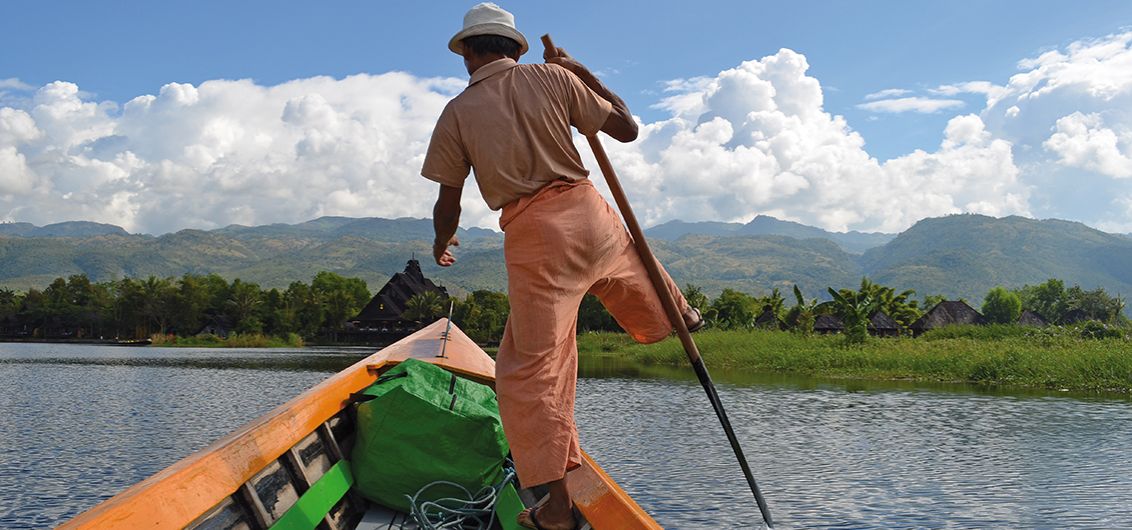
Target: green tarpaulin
(425,424)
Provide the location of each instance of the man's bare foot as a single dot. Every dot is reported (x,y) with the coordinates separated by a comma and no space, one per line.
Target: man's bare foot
(693,319)
(557,513)
(541,517)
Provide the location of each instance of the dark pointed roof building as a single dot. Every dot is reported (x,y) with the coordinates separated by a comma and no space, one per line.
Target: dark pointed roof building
(882,325)
(1030,318)
(768,320)
(946,313)
(385,309)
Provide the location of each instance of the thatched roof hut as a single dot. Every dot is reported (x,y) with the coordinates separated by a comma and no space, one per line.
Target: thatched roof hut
(1030,318)
(768,320)
(828,324)
(947,313)
(882,325)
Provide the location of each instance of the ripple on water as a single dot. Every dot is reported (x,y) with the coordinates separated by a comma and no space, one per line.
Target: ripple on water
(78,424)
(827,458)
(74,433)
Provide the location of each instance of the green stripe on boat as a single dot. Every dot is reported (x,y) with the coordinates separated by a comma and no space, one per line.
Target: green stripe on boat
(507,508)
(317,501)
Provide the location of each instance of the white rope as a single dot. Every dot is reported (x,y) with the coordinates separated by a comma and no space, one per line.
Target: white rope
(457,513)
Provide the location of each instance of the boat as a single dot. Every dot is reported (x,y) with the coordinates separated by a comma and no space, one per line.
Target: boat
(290,464)
(132,342)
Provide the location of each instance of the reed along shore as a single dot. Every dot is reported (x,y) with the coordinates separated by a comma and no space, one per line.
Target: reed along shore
(1052,358)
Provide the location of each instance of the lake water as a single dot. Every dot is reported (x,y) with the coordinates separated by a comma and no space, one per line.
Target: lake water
(79,423)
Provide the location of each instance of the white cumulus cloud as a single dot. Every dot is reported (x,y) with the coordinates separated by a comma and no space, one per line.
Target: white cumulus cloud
(225,152)
(1068,113)
(756,139)
(1053,140)
(911,104)
(888,93)
(1082,141)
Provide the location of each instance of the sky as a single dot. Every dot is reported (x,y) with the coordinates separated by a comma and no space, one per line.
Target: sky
(844,115)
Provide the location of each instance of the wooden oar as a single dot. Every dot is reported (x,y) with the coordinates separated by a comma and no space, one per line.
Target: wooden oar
(670,305)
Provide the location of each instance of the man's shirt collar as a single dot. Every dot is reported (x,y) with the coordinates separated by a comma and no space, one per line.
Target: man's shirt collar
(492,68)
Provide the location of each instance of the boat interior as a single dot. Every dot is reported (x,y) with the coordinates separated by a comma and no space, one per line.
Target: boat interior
(307,479)
(289,468)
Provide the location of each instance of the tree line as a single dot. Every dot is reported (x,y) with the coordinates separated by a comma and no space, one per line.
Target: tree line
(138,308)
(483,314)
(129,308)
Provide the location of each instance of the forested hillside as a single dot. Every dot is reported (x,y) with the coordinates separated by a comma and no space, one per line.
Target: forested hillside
(955,256)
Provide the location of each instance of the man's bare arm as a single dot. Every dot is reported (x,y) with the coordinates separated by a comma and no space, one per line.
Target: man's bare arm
(445,221)
(620,123)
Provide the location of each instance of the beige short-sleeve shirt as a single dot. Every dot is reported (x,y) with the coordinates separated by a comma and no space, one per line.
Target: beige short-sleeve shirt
(512,124)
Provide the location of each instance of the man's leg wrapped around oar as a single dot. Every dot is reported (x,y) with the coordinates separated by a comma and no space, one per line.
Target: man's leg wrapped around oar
(562,243)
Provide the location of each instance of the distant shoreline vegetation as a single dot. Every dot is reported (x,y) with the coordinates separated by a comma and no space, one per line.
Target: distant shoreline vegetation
(208,310)
(1054,358)
(193,310)
(235,340)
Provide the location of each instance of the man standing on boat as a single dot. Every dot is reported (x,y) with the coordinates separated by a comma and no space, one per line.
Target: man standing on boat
(512,125)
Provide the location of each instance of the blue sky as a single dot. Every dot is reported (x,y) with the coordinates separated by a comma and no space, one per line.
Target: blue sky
(113,52)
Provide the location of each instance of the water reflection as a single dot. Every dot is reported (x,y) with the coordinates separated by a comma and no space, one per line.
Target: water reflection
(837,454)
(79,423)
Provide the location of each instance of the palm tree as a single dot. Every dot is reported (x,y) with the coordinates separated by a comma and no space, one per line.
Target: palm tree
(854,308)
(244,301)
(424,307)
(900,307)
(802,315)
(156,293)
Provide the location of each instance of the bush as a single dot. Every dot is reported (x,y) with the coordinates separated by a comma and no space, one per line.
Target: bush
(970,331)
(1098,330)
(1002,306)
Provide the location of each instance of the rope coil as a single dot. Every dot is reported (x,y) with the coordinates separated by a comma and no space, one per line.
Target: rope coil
(457,513)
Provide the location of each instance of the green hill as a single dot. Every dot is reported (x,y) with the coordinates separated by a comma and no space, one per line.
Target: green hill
(956,256)
(763,225)
(966,255)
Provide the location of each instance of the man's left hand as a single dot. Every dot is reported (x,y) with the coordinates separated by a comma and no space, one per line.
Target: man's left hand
(442,254)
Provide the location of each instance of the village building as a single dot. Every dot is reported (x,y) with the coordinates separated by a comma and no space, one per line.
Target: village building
(882,325)
(1030,318)
(381,319)
(947,313)
(828,324)
(768,319)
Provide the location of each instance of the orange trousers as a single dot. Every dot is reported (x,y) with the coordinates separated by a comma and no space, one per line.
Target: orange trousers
(559,244)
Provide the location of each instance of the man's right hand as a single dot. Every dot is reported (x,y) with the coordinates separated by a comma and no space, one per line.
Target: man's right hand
(442,254)
(561,58)
(620,123)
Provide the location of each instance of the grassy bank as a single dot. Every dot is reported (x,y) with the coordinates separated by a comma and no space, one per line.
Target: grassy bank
(1051,358)
(235,340)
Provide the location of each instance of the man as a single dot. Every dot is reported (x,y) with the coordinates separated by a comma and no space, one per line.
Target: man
(562,240)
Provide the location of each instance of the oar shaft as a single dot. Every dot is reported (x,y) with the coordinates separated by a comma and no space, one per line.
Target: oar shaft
(650,262)
(670,307)
(676,318)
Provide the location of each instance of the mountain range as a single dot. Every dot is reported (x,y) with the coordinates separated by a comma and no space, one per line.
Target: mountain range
(959,256)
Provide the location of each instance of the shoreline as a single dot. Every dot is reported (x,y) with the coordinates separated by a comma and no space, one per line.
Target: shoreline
(1056,361)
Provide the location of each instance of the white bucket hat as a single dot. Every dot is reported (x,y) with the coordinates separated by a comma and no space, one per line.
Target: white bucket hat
(487,19)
